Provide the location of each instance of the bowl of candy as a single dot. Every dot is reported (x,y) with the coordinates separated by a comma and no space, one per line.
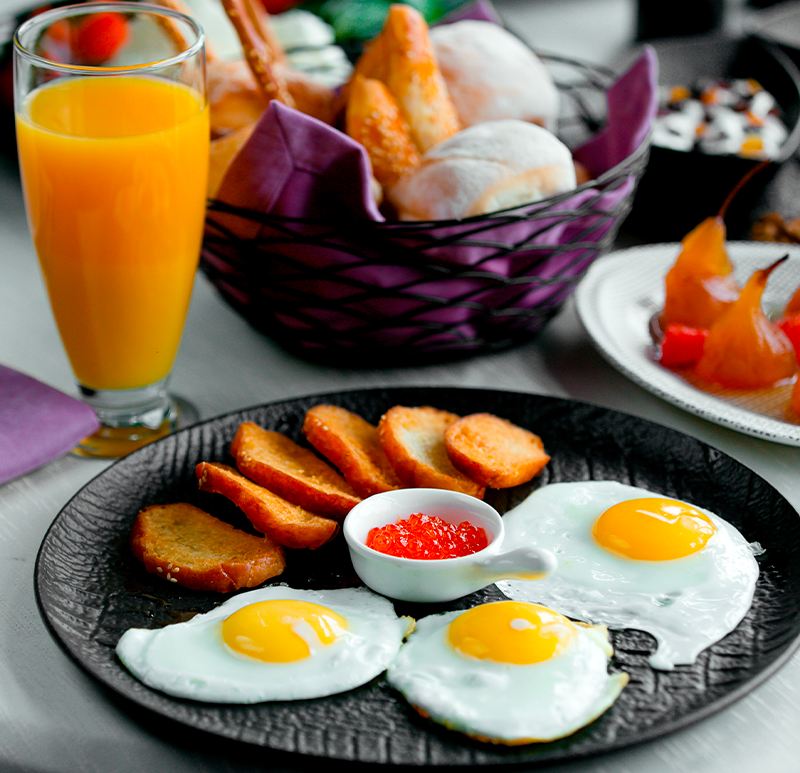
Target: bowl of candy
(726,106)
(444,201)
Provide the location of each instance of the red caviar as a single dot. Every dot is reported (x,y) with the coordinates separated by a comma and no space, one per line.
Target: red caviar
(427,537)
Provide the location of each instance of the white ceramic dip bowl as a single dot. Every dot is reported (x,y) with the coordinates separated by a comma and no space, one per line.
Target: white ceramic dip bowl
(437,580)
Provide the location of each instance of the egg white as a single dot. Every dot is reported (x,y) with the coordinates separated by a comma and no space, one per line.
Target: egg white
(191,660)
(504,702)
(687,604)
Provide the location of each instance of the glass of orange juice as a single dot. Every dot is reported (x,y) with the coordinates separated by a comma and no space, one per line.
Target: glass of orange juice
(113,141)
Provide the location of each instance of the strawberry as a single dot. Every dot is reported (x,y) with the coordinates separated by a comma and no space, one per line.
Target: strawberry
(98,36)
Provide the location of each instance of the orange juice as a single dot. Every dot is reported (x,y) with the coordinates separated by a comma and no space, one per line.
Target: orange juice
(114,175)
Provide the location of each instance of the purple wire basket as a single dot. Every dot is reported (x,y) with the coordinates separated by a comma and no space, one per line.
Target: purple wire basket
(372,293)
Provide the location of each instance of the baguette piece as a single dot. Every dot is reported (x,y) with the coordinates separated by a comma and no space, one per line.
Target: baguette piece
(493,451)
(351,444)
(291,471)
(414,78)
(374,119)
(413,439)
(289,525)
(185,545)
(401,56)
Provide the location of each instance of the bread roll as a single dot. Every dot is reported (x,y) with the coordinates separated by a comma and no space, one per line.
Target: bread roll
(491,74)
(485,168)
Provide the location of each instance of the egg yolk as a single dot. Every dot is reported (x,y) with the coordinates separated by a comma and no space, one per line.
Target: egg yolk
(653,529)
(280,630)
(510,632)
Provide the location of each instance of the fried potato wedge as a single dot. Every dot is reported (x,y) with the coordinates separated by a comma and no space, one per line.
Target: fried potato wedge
(289,525)
(493,451)
(351,444)
(185,545)
(413,439)
(291,471)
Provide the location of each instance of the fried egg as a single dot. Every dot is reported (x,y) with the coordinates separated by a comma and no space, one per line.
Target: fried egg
(274,643)
(631,559)
(507,672)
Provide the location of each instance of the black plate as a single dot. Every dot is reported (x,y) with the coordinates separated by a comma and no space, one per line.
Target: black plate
(90,589)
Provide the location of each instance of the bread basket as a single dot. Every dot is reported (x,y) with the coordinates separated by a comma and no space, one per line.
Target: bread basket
(361,292)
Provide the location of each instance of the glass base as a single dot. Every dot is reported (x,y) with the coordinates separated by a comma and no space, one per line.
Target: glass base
(132,418)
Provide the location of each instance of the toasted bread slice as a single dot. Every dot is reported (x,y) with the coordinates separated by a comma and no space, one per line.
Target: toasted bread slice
(493,451)
(291,471)
(289,525)
(413,439)
(185,545)
(351,444)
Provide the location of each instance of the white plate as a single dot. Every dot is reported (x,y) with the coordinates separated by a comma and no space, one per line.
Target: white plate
(622,291)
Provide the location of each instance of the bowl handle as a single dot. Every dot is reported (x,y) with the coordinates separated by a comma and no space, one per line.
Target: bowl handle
(524,563)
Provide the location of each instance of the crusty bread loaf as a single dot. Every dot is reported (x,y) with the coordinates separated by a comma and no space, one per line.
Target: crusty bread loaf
(289,525)
(485,168)
(295,473)
(351,444)
(491,74)
(413,439)
(187,546)
(493,451)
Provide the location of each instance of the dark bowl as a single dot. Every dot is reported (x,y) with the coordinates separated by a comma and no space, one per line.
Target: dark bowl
(680,189)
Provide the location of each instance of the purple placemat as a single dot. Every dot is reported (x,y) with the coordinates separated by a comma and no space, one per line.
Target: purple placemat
(37,423)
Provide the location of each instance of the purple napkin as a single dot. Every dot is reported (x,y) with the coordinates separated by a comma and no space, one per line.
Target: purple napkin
(297,166)
(37,423)
(632,103)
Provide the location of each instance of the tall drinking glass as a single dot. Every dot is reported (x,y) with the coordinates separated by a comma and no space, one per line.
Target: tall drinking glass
(113,138)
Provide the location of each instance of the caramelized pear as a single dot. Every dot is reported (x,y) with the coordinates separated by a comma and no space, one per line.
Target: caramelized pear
(700,285)
(744,350)
(793,307)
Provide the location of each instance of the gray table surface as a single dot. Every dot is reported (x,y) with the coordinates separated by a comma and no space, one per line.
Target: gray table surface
(55,719)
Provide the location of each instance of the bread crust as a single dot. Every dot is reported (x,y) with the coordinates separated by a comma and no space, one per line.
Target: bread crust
(374,119)
(413,439)
(352,444)
(402,57)
(291,471)
(289,525)
(493,451)
(185,545)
